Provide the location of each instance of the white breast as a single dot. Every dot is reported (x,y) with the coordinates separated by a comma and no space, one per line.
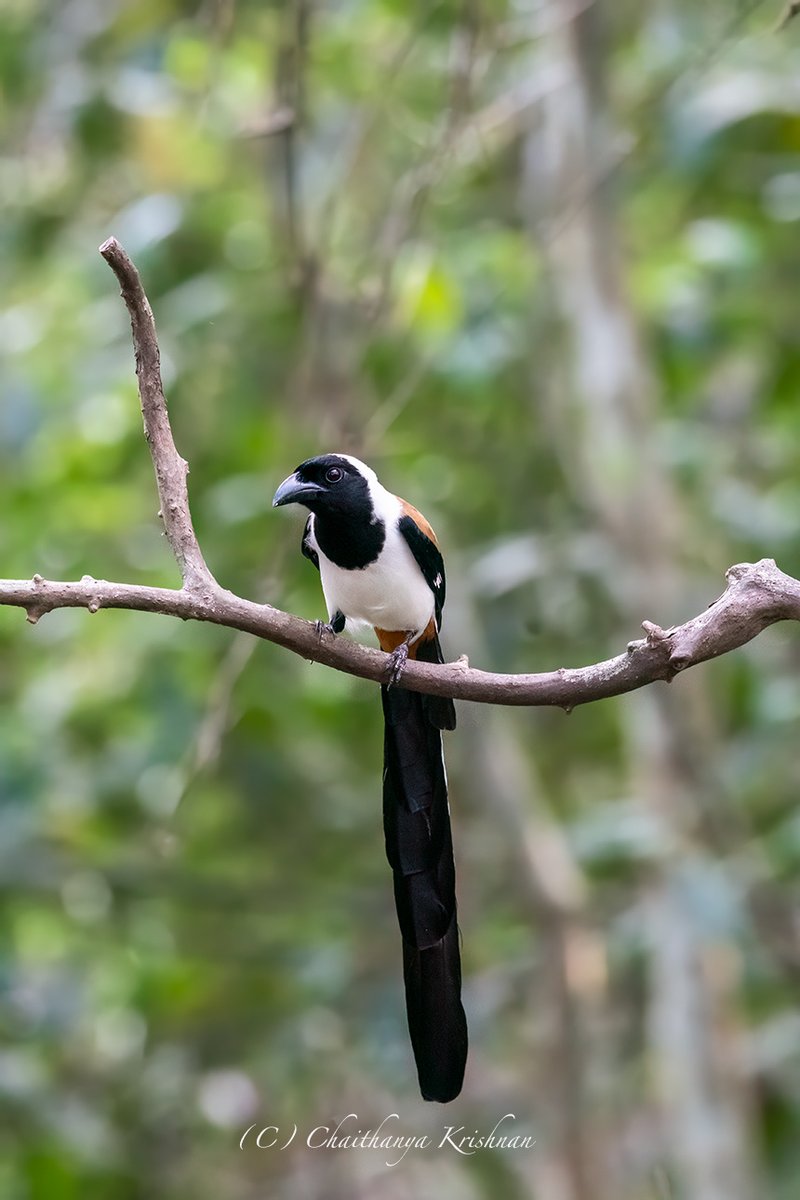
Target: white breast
(390,593)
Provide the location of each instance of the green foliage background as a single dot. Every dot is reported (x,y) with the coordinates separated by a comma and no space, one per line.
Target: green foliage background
(197,924)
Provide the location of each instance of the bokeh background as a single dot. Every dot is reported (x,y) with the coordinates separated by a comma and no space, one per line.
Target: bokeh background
(538,263)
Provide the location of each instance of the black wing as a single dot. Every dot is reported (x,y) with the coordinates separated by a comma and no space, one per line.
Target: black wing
(429,561)
(306,547)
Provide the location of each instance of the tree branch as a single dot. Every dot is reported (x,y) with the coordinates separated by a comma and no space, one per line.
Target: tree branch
(171,470)
(757,595)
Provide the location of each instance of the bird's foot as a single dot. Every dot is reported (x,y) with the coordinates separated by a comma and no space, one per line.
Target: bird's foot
(397,664)
(334,626)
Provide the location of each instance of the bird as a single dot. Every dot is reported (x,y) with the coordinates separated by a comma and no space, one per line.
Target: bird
(380,566)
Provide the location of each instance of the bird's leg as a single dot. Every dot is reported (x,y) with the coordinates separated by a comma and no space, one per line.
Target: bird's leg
(397,660)
(334,626)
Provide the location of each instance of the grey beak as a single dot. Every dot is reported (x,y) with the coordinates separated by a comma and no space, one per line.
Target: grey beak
(294,491)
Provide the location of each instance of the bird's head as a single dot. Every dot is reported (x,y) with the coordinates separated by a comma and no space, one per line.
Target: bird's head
(330,484)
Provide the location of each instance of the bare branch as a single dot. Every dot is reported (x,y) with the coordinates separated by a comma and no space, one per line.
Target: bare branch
(171,470)
(757,595)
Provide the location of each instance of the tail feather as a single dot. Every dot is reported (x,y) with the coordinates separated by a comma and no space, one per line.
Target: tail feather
(420,852)
(441,709)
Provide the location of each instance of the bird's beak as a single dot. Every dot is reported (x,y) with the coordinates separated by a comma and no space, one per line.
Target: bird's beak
(294,491)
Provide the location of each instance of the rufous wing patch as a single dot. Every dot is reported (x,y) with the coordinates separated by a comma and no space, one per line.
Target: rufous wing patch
(418,519)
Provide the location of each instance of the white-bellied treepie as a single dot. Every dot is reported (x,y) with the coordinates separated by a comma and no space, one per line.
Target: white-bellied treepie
(380,566)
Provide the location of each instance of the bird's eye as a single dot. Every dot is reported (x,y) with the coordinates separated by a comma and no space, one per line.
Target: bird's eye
(334,474)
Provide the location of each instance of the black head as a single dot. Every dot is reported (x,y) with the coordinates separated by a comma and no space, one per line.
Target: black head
(339,491)
(329,484)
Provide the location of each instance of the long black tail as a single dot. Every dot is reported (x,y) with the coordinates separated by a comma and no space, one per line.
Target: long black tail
(416,821)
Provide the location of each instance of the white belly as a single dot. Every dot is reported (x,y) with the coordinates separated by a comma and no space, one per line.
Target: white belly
(390,593)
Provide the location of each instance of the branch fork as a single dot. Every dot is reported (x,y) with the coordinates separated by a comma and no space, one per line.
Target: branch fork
(756,595)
